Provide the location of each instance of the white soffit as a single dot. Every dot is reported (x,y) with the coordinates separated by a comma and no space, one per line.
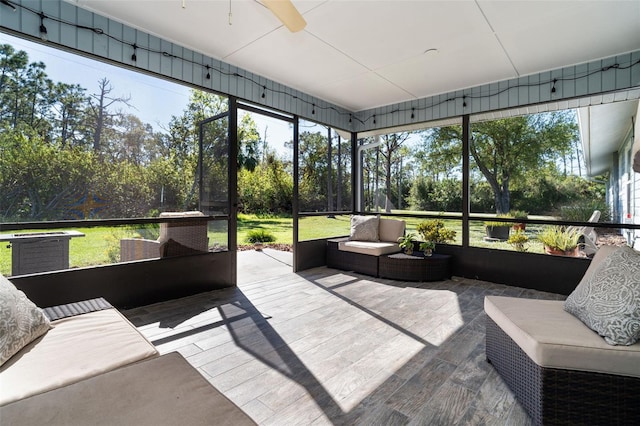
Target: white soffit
(603,128)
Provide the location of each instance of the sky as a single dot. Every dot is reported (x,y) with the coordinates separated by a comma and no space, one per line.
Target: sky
(149,96)
(153,100)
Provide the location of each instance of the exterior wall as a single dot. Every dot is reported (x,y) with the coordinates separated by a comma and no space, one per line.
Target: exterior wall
(623,188)
(585,84)
(633,205)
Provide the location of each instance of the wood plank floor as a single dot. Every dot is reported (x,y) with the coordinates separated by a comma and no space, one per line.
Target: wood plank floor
(329,347)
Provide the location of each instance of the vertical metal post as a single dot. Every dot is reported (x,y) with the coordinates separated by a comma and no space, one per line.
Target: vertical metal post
(356,175)
(466,205)
(295,204)
(329,172)
(339,200)
(233,187)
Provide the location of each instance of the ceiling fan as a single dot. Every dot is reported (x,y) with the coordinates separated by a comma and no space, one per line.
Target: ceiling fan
(286,12)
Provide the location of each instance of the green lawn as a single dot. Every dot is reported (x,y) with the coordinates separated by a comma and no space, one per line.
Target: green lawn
(101,245)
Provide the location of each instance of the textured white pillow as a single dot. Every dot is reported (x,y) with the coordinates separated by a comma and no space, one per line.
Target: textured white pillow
(608,301)
(364,228)
(21,321)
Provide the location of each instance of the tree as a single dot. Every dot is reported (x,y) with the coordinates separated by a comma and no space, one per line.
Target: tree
(99,104)
(314,170)
(506,149)
(69,108)
(391,144)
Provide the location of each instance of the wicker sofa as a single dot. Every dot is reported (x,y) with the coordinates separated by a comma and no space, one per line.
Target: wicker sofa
(360,252)
(560,370)
(85,363)
(86,339)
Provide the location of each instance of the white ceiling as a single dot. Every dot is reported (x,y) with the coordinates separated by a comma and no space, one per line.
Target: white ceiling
(364,54)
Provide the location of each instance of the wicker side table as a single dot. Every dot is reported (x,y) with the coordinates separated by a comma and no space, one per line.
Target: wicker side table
(416,267)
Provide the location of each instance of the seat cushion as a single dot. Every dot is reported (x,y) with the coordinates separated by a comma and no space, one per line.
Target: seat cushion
(553,338)
(76,348)
(369,247)
(161,391)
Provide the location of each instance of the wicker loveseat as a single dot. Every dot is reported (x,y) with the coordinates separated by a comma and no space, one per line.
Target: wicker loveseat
(370,238)
(560,370)
(85,363)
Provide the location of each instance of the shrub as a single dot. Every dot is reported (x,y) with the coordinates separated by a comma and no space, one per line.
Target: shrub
(260,236)
(435,230)
(518,240)
(582,211)
(497,223)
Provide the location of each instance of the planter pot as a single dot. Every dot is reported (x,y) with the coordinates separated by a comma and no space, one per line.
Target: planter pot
(428,252)
(500,233)
(258,246)
(519,226)
(555,252)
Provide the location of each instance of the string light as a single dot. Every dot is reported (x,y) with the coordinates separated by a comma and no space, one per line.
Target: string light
(361,120)
(6,3)
(43,29)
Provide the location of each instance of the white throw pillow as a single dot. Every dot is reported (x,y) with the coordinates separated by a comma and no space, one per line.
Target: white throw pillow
(21,321)
(608,300)
(364,228)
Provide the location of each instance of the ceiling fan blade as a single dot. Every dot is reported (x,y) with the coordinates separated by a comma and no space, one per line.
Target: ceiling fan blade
(286,12)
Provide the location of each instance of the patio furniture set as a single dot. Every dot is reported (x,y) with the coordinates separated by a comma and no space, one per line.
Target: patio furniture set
(567,362)
(372,249)
(85,363)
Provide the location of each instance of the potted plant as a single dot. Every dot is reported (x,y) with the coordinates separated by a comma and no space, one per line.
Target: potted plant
(497,230)
(406,242)
(519,214)
(427,247)
(434,231)
(559,241)
(518,240)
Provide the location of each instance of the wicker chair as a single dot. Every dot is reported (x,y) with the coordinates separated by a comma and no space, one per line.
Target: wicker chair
(554,393)
(176,239)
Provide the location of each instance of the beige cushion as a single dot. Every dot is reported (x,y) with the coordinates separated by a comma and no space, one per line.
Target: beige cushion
(391,229)
(364,228)
(608,301)
(553,338)
(161,391)
(369,247)
(76,348)
(21,321)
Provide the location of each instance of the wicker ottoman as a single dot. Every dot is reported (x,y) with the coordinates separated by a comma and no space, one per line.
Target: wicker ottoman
(415,267)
